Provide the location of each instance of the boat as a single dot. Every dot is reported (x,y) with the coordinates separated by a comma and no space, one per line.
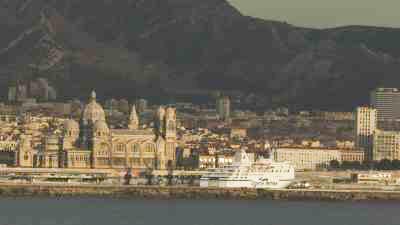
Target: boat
(246,173)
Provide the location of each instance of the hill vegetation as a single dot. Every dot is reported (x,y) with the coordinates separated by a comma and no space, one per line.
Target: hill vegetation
(152,48)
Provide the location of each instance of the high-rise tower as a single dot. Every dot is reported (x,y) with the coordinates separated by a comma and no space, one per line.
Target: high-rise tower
(365,126)
(387,103)
(224,108)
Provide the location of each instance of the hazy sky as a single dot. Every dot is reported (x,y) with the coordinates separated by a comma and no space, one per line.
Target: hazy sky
(324,13)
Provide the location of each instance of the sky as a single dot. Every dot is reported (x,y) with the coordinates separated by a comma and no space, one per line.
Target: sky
(324,13)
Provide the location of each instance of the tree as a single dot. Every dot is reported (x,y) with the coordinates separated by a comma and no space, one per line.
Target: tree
(396,164)
(149,175)
(356,165)
(334,164)
(369,165)
(347,165)
(385,164)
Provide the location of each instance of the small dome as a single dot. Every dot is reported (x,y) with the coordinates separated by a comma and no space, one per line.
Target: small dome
(93,111)
(71,125)
(100,126)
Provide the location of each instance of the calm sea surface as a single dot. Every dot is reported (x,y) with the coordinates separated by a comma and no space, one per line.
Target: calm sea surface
(88,211)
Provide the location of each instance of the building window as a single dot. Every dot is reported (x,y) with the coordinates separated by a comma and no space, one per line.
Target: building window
(120,148)
(104,147)
(135,148)
(149,163)
(26,156)
(136,162)
(150,148)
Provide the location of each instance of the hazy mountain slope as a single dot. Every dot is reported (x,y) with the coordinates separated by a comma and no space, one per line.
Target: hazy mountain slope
(153,47)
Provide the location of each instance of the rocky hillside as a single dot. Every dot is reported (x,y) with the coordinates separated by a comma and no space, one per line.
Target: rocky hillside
(174,47)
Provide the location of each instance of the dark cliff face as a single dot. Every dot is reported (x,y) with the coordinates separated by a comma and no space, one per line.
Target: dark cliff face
(153,47)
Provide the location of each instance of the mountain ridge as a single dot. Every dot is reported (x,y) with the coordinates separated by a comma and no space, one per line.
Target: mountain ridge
(156,47)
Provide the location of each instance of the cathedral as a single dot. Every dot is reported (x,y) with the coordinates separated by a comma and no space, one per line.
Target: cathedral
(92,144)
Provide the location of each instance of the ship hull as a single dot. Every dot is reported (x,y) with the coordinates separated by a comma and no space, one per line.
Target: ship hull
(246,173)
(223,183)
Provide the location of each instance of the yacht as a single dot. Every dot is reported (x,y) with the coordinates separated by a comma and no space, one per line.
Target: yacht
(246,173)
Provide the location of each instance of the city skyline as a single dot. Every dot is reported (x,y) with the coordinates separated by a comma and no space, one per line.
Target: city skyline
(323,14)
(203,107)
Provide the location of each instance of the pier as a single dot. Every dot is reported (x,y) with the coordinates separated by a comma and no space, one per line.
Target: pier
(174,192)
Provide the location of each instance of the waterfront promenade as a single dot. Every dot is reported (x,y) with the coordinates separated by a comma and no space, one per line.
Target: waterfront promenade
(156,192)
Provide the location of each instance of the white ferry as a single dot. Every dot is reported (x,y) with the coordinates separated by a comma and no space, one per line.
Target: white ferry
(245,173)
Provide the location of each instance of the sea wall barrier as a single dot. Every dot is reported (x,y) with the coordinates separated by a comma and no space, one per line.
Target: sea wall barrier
(152,192)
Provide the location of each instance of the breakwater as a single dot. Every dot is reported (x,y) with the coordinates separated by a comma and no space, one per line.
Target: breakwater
(151,192)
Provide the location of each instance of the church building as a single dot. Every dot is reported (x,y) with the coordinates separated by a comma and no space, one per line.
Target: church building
(92,144)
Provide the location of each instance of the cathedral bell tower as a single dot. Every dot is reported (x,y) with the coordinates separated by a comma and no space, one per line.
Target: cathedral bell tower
(170,137)
(133,119)
(170,123)
(166,141)
(160,121)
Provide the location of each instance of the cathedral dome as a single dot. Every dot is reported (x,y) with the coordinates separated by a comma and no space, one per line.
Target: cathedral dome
(93,111)
(100,126)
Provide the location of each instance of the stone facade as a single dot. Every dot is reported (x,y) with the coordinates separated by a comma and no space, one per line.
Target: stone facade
(8,152)
(386,145)
(92,144)
(26,154)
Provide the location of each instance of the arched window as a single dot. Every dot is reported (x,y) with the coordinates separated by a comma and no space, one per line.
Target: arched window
(120,147)
(26,156)
(136,148)
(104,147)
(150,148)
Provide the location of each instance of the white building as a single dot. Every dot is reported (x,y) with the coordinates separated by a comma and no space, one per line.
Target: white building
(365,126)
(306,158)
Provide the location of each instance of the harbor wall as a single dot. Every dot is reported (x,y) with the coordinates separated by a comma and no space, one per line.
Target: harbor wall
(149,192)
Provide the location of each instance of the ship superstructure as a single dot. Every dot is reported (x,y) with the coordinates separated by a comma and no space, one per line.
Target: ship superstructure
(245,173)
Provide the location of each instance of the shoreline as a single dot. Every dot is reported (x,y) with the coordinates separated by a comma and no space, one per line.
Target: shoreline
(193,193)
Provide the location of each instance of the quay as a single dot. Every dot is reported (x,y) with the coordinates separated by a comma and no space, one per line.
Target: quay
(176,192)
